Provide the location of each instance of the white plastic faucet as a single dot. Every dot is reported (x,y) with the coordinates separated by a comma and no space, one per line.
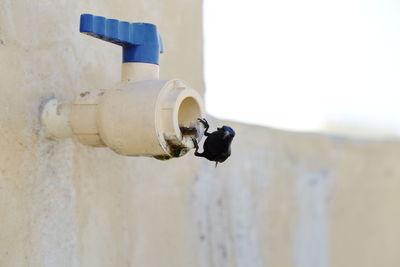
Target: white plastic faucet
(139,116)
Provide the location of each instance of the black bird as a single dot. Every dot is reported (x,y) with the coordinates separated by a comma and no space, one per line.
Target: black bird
(217,146)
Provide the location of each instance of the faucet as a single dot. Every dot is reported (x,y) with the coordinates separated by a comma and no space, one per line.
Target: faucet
(139,116)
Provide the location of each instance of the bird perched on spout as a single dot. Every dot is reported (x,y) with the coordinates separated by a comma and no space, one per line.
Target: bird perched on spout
(217,146)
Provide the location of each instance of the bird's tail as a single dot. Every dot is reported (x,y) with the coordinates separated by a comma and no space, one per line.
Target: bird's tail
(216,163)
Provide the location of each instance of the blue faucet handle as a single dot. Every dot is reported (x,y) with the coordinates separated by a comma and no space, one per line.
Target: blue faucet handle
(140,41)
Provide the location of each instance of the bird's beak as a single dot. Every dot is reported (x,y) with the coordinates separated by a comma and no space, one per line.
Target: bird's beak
(226,134)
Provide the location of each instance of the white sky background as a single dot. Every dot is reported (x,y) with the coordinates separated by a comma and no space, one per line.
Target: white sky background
(297,64)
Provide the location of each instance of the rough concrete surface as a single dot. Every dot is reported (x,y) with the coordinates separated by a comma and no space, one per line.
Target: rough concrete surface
(282,199)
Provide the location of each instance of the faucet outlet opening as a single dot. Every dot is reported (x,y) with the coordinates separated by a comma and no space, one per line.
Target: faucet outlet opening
(188,114)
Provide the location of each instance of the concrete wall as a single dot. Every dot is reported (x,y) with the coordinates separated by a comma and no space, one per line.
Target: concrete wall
(283,199)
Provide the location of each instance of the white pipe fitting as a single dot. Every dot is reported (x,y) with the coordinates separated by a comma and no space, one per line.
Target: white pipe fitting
(140,116)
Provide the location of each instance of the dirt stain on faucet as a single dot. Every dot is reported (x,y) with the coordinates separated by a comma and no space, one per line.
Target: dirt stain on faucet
(189,131)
